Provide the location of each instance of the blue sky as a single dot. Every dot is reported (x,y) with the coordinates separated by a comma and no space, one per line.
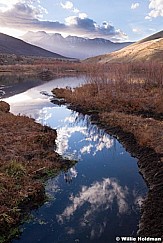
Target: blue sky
(118,20)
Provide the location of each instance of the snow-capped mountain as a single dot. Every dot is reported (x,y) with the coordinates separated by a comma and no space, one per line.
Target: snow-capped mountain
(72,46)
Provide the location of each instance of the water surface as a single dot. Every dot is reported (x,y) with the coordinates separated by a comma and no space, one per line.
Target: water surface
(96,200)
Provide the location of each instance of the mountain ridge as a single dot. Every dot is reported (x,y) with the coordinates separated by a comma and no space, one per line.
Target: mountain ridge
(12,45)
(155,36)
(73,46)
(147,49)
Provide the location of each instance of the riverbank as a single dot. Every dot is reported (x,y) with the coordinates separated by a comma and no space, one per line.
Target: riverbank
(137,122)
(16,88)
(19,77)
(27,157)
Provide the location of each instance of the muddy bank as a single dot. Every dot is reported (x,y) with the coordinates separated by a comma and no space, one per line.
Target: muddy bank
(27,158)
(140,138)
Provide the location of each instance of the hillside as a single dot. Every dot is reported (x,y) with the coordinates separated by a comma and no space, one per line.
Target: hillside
(148,49)
(155,36)
(11,45)
(72,46)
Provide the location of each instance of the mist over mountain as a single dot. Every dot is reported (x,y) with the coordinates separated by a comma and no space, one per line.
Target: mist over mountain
(11,45)
(72,46)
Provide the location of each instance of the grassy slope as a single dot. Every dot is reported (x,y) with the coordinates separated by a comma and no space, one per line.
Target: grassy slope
(148,49)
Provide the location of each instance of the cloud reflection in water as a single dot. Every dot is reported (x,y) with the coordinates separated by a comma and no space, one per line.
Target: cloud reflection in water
(99,198)
(78,138)
(90,138)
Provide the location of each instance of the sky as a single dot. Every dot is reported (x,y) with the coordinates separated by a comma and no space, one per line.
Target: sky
(116,20)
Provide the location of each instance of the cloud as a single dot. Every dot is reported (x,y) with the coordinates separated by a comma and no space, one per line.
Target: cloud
(99,198)
(86,149)
(9,4)
(137,30)
(96,201)
(135,5)
(5,5)
(28,15)
(63,136)
(21,14)
(93,140)
(90,138)
(83,15)
(69,6)
(88,27)
(156,7)
(82,24)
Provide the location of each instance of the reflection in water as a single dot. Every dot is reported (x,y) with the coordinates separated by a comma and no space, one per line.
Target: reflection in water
(72,173)
(99,198)
(33,100)
(96,200)
(103,201)
(95,139)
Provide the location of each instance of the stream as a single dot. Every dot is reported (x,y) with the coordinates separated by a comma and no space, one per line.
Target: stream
(99,198)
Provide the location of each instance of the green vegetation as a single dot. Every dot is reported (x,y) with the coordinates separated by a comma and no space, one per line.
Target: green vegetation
(14,169)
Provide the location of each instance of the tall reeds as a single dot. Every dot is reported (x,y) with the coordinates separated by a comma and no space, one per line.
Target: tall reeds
(131,88)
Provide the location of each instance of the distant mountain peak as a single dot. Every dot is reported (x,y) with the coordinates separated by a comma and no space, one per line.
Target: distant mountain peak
(12,45)
(73,46)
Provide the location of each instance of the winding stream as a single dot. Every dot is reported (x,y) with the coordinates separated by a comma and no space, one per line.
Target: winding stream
(96,200)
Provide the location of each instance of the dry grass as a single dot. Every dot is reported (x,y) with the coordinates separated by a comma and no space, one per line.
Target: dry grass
(36,69)
(38,65)
(124,94)
(120,98)
(26,154)
(126,99)
(121,87)
(4,107)
(148,132)
(151,50)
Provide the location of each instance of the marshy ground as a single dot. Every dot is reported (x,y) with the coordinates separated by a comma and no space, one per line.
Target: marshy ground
(19,75)
(26,157)
(127,101)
